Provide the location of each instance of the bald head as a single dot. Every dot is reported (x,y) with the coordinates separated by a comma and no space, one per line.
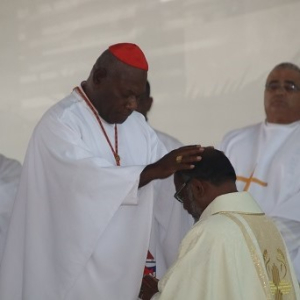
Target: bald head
(287,65)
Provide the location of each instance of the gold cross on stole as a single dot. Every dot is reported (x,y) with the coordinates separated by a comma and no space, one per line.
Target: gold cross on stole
(249,180)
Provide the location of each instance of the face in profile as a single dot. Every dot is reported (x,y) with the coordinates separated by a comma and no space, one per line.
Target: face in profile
(185,194)
(282,96)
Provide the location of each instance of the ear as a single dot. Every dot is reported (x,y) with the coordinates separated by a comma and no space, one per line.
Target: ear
(149,103)
(99,74)
(199,188)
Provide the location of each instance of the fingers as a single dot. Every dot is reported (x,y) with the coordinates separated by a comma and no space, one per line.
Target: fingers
(184,157)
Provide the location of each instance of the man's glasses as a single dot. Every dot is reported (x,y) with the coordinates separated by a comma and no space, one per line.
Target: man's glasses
(178,195)
(289,87)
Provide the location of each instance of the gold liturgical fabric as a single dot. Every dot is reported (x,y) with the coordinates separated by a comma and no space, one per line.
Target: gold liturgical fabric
(234,252)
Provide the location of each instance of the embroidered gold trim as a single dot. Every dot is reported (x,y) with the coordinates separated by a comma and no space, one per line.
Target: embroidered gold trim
(256,261)
(239,212)
(279,286)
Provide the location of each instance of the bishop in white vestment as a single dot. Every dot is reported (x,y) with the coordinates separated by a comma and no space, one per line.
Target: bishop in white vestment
(163,245)
(81,223)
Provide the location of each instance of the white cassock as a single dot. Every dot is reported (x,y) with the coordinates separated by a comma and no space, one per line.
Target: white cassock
(234,252)
(171,222)
(80,228)
(10,171)
(271,153)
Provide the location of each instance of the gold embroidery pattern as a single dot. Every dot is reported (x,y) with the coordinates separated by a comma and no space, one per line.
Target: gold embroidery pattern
(255,258)
(239,212)
(279,286)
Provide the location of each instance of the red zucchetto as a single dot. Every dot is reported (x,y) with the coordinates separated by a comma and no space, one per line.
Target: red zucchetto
(130,54)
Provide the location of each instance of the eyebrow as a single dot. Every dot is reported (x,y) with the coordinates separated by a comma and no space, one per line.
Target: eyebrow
(290,81)
(285,81)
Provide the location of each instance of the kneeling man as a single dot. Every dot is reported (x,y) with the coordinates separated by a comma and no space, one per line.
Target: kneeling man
(233,252)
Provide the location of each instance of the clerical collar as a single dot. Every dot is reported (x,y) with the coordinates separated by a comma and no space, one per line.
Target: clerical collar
(287,126)
(238,202)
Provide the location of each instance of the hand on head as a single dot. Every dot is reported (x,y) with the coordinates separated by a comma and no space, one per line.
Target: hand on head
(182,158)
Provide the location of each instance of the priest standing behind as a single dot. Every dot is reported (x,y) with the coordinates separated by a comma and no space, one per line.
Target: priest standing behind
(266,156)
(81,223)
(163,245)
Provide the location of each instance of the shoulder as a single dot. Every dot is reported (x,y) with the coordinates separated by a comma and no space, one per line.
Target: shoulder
(169,141)
(9,166)
(66,113)
(221,226)
(62,108)
(244,131)
(216,229)
(237,135)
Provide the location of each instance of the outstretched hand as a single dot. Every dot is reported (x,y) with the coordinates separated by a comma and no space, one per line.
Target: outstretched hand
(179,159)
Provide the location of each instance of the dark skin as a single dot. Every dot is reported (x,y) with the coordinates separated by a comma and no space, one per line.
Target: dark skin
(167,165)
(197,196)
(115,95)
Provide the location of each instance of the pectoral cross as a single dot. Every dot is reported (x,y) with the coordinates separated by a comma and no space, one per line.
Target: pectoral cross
(249,180)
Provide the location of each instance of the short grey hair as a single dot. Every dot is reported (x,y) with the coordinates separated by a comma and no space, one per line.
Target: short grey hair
(287,65)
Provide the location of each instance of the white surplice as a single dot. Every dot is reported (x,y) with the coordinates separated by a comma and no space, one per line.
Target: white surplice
(234,252)
(80,228)
(171,222)
(10,171)
(271,153)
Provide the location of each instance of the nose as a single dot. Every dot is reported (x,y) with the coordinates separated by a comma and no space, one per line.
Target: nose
(280,90)
(132,102)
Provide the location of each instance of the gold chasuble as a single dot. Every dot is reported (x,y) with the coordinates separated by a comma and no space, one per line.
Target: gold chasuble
(234,252)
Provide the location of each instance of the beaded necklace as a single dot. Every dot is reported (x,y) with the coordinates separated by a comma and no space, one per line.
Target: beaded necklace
(95,112)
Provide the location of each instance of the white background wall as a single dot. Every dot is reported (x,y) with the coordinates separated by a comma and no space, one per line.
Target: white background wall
(208,58)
